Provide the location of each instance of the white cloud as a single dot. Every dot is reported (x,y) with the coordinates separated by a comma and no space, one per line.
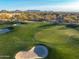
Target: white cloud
(68,7)
(74,6)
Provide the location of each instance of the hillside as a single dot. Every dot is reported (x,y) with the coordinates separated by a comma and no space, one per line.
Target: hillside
(62,41)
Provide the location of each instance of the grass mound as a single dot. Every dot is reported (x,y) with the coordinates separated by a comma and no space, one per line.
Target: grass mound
(62,42)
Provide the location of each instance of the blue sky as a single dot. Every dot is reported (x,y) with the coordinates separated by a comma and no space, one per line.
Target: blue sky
(56,5)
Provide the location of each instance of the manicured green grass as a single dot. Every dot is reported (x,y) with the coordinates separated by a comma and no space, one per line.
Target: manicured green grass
(62,42)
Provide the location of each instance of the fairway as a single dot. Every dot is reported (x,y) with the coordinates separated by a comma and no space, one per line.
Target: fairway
(62,41)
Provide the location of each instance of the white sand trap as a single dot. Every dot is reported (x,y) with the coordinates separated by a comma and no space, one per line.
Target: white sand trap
(37,52)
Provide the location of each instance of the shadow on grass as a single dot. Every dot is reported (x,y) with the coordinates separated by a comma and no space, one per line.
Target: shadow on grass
(73,26)
(74,41)
(46,26)
(53,53)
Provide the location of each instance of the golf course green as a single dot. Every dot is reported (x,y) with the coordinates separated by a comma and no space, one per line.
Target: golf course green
(62,41)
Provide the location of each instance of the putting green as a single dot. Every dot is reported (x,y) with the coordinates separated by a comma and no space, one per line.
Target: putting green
(62,42)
